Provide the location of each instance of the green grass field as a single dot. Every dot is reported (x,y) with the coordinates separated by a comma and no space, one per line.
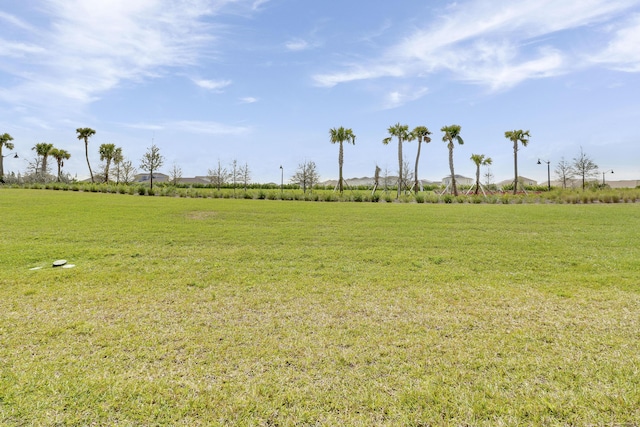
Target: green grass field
(264,313)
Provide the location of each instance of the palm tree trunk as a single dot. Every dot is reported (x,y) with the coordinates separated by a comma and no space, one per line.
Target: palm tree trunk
(1,165)
(453,176)
(515,166)
(477,179)
(416,183)
(106,171)
(58,171)
(44,167)
(86,153)
(340,161)
(399,165)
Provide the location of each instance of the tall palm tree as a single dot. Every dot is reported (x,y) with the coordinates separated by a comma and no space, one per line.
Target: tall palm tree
(60,156)
(421,133)
(107,152)
(452,133)
(402,133)
(341,135)
(480,160)
(43,149)
(84,134)
(516,136)
(5,141)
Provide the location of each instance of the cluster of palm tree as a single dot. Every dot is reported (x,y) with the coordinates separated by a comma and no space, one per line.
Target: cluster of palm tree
(44,150)
(451,134)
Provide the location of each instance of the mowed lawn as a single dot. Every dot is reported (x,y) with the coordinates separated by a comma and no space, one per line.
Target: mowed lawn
(264,313)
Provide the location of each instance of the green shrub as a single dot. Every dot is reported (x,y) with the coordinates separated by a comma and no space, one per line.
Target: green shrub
(447,198)
(419,198)
(142,190)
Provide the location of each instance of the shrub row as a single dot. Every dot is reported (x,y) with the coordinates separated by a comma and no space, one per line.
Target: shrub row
(554,196)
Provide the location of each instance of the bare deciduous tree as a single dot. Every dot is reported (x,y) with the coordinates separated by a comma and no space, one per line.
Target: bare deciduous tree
(151,161)
(218,176)
(175,173)
(564,172)
(306,175)
(584,167)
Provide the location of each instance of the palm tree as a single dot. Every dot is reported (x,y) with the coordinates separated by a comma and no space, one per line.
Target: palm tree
(480,160)
(85,134)
(516,136)
(60,156)
(5,139)
(43,149)
(107,153)
(403,134)
(340,136)
(421,133)
(452,133)
(117,161)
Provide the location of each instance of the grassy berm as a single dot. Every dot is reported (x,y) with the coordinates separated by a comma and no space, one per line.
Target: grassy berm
(280,313)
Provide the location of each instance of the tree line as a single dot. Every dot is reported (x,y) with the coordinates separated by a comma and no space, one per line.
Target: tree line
(116,168)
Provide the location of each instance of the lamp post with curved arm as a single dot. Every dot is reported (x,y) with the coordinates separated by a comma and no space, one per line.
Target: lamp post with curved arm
(548,162)
(610,170)
(2,174)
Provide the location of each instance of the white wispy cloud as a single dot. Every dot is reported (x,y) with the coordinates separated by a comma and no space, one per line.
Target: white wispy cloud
(622,52)
(297,44)
(213,85)
(399,97)
(92,47)
(248,100)
(498,44)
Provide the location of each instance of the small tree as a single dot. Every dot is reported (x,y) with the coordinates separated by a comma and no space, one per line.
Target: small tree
(306,175)
(564,172)
(218,176)
(43,149)
(127,172)
(117,163)
(107,153)
(235,174)
(175,173)
(245,175)
(60,156)
(151,161)
(515,136)
(479,160)
(488,177)
(584,167)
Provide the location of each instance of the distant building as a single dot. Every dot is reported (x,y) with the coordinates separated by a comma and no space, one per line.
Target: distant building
(460,180)
(145,177)
(523,180)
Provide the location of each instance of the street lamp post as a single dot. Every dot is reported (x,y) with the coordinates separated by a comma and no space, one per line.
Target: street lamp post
(548,162)
(610,170)
(2,174)
(281,180)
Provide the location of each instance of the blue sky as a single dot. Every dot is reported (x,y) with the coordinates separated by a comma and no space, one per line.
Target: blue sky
(263,81)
